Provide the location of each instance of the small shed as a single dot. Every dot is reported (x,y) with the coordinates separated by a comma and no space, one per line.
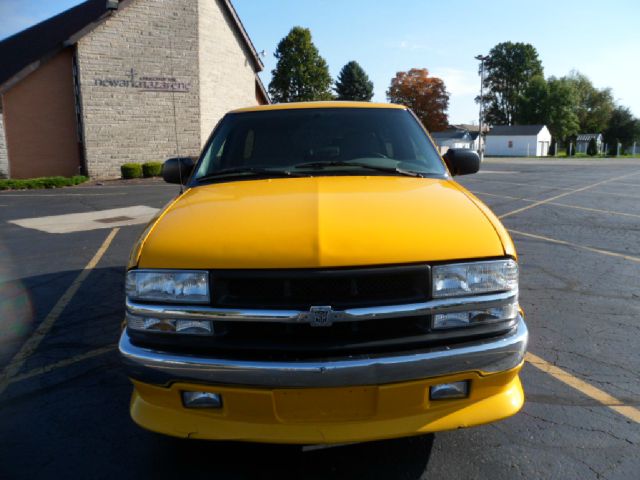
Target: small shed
(452,138)
(582,142)
(518,141)
(474,131)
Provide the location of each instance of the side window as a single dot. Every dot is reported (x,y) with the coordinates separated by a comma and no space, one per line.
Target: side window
(510,144)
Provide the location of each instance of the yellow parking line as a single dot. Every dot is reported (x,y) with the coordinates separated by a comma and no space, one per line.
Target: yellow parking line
(575,245)
(34,340)
(61,194)
(61,364)
(589,390)
(555,197)
(557,204)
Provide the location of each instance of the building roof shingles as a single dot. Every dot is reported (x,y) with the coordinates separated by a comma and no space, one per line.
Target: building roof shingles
(585,137)
(510,130)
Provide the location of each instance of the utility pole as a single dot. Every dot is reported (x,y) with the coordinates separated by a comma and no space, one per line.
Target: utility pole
(482,59)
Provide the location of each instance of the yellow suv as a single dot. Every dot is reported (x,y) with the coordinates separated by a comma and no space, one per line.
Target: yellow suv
(322,279)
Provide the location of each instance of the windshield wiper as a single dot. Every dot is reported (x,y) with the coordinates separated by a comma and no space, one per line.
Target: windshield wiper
(258,171)
(342,163)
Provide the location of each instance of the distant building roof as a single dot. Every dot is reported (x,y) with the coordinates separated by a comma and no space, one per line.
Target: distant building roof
(37,43)
(471,127)
(585,137)
(451,134)
(506,130)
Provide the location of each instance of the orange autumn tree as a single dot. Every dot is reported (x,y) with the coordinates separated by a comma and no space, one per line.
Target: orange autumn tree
(425,95)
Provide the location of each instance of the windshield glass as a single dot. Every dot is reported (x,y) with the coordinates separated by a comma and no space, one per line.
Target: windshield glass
(327,141)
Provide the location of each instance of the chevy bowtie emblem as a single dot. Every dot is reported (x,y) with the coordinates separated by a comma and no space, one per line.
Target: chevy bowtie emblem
(319,316)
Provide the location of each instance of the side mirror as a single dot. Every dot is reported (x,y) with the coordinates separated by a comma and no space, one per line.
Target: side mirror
(177,170)
(462,161)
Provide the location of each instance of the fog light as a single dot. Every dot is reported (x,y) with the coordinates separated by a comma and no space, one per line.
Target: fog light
(475,317)
(151,324)
(445,391)
(201,400)
(197,327)
(168,325)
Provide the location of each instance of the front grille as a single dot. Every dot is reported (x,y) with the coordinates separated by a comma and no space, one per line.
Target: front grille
(303,288)
(273,341)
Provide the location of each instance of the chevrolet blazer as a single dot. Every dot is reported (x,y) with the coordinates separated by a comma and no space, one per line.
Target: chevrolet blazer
(322,279)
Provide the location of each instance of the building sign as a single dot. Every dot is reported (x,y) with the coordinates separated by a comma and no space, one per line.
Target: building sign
(144,84)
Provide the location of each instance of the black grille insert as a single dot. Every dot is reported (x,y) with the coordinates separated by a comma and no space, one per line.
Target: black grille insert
(303,288)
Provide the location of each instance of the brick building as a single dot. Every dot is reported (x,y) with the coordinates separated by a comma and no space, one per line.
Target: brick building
(110,82)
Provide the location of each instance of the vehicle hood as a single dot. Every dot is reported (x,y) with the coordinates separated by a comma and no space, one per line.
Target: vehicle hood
(329,221)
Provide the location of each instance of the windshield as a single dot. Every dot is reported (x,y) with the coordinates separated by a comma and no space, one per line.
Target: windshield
(327,141)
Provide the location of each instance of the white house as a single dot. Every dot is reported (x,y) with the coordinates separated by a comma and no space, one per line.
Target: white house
(518,141)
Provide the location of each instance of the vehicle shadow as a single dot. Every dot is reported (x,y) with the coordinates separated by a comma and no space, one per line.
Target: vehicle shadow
(405,458)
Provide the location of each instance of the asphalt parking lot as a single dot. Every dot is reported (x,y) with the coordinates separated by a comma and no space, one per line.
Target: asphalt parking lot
(576,225)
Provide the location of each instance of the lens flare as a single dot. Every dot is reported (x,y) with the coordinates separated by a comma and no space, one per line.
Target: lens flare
(16,310)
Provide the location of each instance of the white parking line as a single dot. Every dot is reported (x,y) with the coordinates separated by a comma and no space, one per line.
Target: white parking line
(629,184)
(535,185)
(557,204)
(576,245)
(80,222)
(555,197)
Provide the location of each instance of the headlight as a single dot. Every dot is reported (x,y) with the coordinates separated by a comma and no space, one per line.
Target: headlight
(474,278)
(180,286)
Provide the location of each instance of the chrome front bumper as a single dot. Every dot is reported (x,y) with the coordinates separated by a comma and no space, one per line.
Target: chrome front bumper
(485,356)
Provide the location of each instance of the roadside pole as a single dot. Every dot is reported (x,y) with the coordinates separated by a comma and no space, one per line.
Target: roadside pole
(482,59)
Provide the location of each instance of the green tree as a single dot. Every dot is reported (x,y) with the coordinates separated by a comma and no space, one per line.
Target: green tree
(509,71)
(550,102)
(623,128)
(301,74)
(592,148)
(425,95)
(594,106)
(562,119)
(353,83)
(533,105)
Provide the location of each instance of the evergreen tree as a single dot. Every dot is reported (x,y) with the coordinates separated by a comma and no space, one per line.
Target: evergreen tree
(301,74)
(353,83)
(592,148)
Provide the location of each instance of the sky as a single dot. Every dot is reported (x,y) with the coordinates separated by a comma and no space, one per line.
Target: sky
(599,39)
